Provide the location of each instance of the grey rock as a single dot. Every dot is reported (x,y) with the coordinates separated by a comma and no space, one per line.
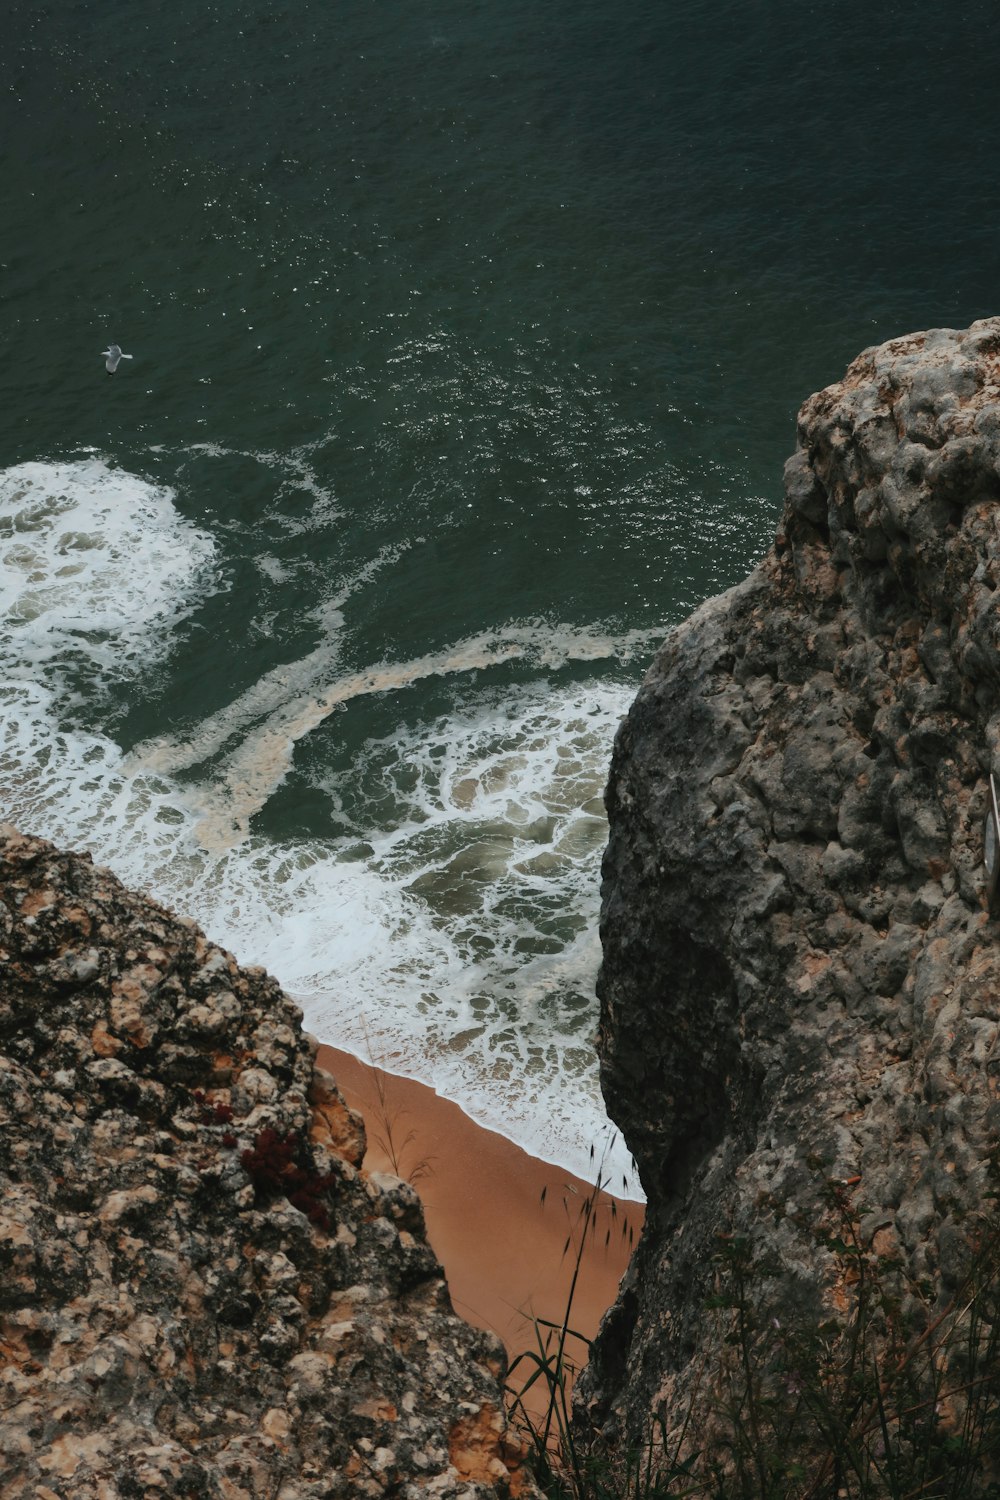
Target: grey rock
(801,984)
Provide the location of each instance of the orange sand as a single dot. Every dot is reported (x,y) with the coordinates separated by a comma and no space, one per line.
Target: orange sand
(503,1249)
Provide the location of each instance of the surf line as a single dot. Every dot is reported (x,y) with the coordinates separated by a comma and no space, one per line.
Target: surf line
(241,786)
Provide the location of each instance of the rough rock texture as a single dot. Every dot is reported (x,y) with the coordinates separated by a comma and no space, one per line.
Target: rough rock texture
(801,983)
(201,1295)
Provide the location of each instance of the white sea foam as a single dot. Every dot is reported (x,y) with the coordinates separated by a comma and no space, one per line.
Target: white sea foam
(94,563)
(452,938)
(295,475)
(291,707)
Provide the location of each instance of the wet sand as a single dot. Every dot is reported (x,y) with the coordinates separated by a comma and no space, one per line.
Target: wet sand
(503,1248)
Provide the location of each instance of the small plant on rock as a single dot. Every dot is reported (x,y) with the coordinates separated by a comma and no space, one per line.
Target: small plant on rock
(398,1149)
(278,1166)
(211,1112)
(894,1394)
(564,1466)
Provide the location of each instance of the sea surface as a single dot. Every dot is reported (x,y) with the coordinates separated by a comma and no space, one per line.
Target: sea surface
(467,340)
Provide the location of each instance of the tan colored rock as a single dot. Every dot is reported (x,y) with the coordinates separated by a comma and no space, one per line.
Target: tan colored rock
(481,1451)
(200,1294)
(335,1126)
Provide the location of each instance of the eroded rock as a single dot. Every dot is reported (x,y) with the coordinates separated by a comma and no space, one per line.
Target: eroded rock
(801,987)
(201,1294)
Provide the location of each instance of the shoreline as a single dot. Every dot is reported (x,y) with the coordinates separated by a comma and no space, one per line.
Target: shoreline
(504,1225)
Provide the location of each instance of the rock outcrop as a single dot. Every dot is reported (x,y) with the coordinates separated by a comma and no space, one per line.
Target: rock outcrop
(800,995)
(202,1295)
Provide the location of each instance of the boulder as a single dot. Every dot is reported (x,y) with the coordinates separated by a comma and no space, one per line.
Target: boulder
(800,994)
(202,1294)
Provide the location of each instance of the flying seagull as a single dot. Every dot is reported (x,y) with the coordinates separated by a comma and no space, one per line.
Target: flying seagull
(112,356)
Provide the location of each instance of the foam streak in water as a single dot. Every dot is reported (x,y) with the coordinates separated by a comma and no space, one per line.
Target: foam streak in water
(254,770)
(451,926)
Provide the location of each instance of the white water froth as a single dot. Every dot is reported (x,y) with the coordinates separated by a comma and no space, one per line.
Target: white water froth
(292,704)
(455,940)
(94,565)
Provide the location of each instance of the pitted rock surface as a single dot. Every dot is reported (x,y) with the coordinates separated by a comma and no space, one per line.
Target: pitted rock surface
(798,964)
(171,1323)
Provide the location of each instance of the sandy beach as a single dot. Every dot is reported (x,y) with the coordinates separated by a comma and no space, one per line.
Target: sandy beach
(504,1225)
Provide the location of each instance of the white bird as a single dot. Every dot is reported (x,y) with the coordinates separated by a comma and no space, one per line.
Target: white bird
(112,355)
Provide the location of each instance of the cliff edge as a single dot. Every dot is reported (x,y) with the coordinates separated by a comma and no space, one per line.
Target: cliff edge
(800,996)
(201,1293)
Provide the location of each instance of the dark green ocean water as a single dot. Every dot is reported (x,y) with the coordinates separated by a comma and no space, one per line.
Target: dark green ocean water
(467,342)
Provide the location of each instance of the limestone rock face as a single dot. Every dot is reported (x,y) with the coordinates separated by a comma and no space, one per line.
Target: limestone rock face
(201,1294)
(801,984)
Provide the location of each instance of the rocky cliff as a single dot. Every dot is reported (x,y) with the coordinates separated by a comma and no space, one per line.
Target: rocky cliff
(801,985)
(201,1293)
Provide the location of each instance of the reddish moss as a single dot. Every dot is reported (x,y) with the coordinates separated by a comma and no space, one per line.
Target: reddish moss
(212,1113)
(274,1171)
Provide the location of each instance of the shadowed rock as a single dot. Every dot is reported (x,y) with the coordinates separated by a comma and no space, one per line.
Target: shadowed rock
(801,985)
